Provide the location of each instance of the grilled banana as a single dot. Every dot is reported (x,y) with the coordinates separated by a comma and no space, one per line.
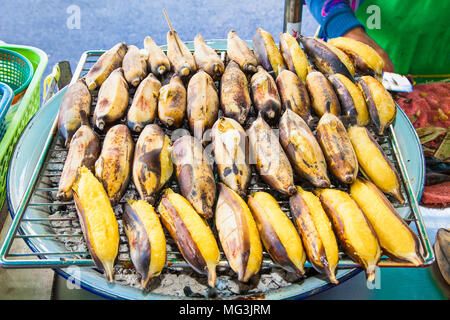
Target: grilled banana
(98,221)
(355,233)
(134,66)
(195,175)
(303,150)
(351,99)
(238,234)
(374,162)
(337,148)
(172,103)
(207,59)
(234,93)
(267,154)
(202,103)
(191,233)
(267,53)
(76,98)
(113,167)
(152,164)
(238,51)
(107,63)
(293,94)
(323,97)
(230,144)
(112,101)
(396,238)
(145,238)
(265,94)
(145,104)
(366,60)
(316,232)
(180,56)
(157,61)
(327,58)
(381,106)
(293,55)
(83,151)
(277,232)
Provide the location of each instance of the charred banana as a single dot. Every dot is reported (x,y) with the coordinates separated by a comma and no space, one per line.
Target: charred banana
(267,53)
(146,239)
(152,164)
(327,58)
(366,60)
(337,148)
(351,99)
(379,101)
(238,51)
(230,144)
(83,151)
(202,103)
(235,98)
(355,233)
(238,234)
(267,154)
(98,221)
(107,63)
(113,167)
(112,101)
(277,232)
(323,97)
(180,56)
(157,61)
(191,233)
(315,230)
(265,94)
(77,98)
(207,59)
(195,175)
(303,150)
(374,162)
(293,94)
(134,66)
(172,103)
(396,238)
(294,57)
(145,104)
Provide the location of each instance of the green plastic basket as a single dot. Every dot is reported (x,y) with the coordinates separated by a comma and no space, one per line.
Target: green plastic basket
(23,110)
(16,71)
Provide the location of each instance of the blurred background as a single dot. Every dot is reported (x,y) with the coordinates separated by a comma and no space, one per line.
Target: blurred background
(65,29)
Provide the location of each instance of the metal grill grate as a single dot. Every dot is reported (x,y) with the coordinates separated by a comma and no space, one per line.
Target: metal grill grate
(63,225)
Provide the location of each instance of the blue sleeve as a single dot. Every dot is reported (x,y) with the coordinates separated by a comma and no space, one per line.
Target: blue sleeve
(335,17)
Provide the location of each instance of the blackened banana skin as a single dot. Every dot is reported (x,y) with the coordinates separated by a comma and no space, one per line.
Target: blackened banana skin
(113,167)
(194,174)
(265,95)
(83,151)
(325,59)
(77,98)
(152,164)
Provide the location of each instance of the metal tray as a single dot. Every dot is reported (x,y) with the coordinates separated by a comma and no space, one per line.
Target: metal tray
(32,167)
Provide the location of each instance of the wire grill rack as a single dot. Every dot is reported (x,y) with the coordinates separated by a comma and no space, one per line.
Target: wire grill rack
(63,225)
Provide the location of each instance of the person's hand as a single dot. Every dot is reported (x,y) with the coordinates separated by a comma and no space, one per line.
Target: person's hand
(359,34)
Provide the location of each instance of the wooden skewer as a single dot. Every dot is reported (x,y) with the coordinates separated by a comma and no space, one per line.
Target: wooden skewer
(171,29)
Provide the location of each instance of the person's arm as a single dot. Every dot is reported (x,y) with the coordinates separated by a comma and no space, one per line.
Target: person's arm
(334,16)
(337,19)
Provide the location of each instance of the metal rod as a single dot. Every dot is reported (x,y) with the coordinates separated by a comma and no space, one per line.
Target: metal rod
(293,17)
